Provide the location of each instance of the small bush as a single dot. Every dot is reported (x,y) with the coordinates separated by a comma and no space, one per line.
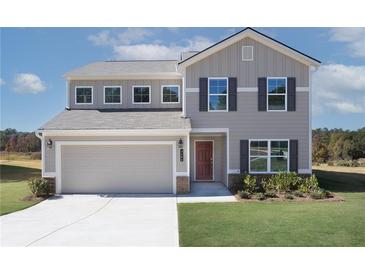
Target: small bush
(298,193)
(38,186)
(260,196)
(288,196)
(283,182)
(348,163)
(271,194)
(309,184)
(243,194)
(249,184)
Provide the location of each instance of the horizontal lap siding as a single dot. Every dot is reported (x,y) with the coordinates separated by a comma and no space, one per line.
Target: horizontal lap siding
(98,93)
(248,123)
(228,62)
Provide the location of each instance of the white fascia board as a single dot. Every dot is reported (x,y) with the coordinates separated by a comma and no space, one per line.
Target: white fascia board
(117,132)
(257,37)
(143,76)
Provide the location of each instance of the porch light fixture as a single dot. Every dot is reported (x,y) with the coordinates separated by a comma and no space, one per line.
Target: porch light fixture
(49,143)
(181,143)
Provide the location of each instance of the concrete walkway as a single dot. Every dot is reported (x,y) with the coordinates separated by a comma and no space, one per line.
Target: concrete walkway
(94,220)
(207,193)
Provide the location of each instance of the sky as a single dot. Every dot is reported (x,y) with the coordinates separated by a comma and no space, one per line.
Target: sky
(34,60)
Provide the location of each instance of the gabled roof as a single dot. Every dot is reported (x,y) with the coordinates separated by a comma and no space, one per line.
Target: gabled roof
(94,119)
(258,36)
(113,69)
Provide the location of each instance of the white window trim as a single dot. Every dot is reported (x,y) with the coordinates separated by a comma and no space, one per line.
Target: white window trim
(178,94)
(203,140)
(286,94)
(268,156)
(218,78)
(243,59)
(92,95)
(121,92)
(149,94)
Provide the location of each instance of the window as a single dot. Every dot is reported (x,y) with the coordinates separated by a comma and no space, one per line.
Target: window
(217,94)
(112,95)
(84,95)
(269,156)
(141,94)
(170,94)
(247,53)
(276,93)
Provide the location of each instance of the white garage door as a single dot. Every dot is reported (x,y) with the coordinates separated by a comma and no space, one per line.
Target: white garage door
(116,169)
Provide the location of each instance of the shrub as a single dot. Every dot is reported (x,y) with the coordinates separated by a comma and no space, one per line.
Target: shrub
(288,196)
(298,193)
(271,194)
(260,196)
(283,182)
(38,186)
(309,184)
(348,163)
(243,194)
(249,183)
(317,195)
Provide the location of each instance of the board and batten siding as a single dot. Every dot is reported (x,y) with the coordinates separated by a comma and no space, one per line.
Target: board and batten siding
(50,157)
(248,123)
(127,93)
(228,63)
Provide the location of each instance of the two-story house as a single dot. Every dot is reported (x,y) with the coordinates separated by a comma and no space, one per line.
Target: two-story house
(242,105)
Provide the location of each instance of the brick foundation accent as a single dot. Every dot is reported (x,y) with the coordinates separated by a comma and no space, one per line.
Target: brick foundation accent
(182,184)
(234,182)
(52,185)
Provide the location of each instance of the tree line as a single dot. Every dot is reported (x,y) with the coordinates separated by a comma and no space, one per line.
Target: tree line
(12,140)
(337,144)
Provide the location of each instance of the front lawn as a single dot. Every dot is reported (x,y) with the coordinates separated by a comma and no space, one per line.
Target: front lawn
(316,223)
(14,188)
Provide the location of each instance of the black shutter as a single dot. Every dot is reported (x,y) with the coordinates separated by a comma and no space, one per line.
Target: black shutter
(232,94)
(291,93)
(244,156)
(262,94)
(293,157)
(203,94)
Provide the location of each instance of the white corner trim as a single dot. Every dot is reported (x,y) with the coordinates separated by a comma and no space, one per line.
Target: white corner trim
(59,145)
(247,89)
(191,90)
(300,89)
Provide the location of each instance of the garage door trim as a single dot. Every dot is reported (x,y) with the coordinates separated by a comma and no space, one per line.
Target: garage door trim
(59,144)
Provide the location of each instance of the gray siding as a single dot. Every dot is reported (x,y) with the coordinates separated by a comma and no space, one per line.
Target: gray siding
(127,99)
(228,62)
(248,123)
(49,154)
(219,155)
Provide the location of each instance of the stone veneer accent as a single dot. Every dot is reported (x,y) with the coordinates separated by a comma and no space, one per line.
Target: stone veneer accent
(52,185)
(182,184)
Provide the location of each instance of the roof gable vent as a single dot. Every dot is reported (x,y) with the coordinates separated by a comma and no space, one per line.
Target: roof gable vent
(247,53)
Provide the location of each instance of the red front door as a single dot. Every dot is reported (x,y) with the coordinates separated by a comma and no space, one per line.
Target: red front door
(204,160)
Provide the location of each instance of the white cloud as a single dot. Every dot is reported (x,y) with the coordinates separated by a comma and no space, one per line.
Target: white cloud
(339,88)
(28,83)
(2,82)
(131,44)
(160,51)
(353,37)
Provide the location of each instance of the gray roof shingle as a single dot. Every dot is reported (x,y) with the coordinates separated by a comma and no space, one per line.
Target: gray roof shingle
(99,119)
(119,68)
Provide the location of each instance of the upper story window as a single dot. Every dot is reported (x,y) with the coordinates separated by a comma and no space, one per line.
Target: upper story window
(112,95)
(141,94)
(247,53)
(170,94)
(218,94)
(84,95)
(269,156)
(276,94)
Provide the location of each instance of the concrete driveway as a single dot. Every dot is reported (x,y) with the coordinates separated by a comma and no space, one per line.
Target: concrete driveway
(94,220)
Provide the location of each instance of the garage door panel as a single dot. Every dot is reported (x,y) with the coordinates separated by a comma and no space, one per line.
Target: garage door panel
(117,169)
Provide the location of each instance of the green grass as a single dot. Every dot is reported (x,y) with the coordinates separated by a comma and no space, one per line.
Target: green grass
(13,187)
(317,223)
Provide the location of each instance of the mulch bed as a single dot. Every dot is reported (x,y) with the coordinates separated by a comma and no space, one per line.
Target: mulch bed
(281,198)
